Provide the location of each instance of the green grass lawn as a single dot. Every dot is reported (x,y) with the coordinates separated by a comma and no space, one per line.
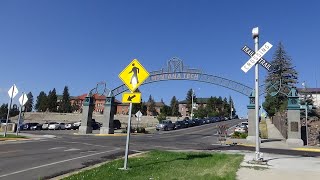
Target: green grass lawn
(11,136)
(168,165)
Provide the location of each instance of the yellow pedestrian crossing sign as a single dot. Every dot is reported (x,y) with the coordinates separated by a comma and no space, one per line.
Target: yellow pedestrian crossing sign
(131,97)
(134,75)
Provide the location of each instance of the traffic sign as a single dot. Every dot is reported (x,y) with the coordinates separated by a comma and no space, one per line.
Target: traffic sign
(255,58)
(138,114)
(264,63)
(134,75)
(13,91)
(131,97)
(23,99)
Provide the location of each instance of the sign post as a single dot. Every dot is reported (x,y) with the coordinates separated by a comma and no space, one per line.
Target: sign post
(13,91)
(138,115)
(132,76)
(246,67)
(22,100)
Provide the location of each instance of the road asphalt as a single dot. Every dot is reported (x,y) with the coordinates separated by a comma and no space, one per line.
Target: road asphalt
(64,152)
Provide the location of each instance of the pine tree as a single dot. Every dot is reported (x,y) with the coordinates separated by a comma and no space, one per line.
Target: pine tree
(29,104)
(174,104)
(190,93)
(283,72)
(65,105)
(152,106)
(52,100)
(42,102)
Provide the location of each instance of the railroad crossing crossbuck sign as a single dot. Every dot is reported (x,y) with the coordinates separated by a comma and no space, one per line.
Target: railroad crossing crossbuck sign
(264,63)
(256,57)
(134,75)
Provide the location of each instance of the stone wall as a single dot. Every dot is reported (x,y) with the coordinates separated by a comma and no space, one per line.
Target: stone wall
(146,121)
(280,122)
(314,132)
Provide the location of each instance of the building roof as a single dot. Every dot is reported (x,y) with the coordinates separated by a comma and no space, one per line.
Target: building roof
(309,90)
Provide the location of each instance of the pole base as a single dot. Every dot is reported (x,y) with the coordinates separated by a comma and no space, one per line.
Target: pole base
(106,130)
(124,169)
(295,142)
(85,130)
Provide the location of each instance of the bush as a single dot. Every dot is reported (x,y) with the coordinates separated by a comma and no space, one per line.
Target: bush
(239,135)
(125,130)
(141,130)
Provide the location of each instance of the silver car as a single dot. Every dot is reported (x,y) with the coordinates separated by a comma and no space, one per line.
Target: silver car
(165,125)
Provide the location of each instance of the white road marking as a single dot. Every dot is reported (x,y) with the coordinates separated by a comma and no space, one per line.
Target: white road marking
(56,148)
(72,149)
(58,162)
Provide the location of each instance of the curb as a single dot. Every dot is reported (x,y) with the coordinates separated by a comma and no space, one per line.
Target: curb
(111,135)
(294,149)
(14,139)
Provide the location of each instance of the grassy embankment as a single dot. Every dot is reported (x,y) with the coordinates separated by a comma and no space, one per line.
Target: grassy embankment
(168,165)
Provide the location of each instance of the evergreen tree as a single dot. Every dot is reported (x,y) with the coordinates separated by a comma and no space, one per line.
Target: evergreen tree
(3,111)
(190,93)
(29,104)
(152,106)
(52,100)
(201,112)
(174,104)
(42,102)
(166,110)
(65,105)
(283,72)
(233,107)
(144,108)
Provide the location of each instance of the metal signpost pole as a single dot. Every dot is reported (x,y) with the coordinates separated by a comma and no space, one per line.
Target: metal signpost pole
(128,139)
(307,121)
(192,105)
(9,107)
(20,112)
(255,33)
(230,109)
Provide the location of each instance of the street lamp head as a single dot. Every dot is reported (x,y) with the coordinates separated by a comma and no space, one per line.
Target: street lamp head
(255,32)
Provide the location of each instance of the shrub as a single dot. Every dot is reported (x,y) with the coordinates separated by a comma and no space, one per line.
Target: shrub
(141,130)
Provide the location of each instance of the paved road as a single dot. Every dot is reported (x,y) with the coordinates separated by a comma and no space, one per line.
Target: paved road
(51,157)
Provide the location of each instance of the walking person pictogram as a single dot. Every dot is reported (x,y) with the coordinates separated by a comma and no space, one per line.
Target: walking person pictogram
(134,78)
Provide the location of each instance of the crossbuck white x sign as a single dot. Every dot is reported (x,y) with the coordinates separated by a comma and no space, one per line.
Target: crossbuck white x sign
(255,58)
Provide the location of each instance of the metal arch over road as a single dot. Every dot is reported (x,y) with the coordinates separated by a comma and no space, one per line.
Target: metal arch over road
(175,70)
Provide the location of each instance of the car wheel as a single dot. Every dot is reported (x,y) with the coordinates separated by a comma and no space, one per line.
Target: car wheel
(166,128)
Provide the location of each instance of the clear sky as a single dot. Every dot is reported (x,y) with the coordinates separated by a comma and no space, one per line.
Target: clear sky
(46,44)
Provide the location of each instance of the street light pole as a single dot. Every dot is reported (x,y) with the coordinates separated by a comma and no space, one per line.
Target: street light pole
(230,109)
(192,104)
(255,35)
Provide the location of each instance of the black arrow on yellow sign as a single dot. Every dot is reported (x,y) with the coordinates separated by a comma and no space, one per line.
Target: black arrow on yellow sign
(131,97)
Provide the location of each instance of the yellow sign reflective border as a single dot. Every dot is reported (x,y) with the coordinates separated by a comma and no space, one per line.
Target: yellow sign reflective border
(131,97)
(134,75)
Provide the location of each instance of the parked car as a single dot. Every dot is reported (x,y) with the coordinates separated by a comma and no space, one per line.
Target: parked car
(186,123)
(45,126)
(165,125)
(36,127)
(180,125)
(27,126)
(69,126)
(241,129)
(95,125)
(245,123)
(57,126)
(76,125)
(116,124)
(3,121)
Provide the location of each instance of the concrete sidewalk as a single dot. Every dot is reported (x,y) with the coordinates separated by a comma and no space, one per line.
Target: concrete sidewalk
(280,167)
(275,140)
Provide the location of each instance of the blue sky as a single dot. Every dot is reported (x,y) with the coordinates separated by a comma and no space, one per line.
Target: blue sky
(49,44)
